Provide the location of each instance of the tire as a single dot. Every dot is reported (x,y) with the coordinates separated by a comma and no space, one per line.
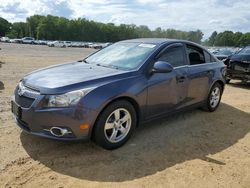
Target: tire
(213,99)
(228,81)
(110,132)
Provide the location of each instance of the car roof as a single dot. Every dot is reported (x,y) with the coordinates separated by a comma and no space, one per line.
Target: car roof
(149,40)
(158,41)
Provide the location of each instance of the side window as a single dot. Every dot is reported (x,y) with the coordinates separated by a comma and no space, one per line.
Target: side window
(195,55)
(213,59)
(208,57)
(174,56)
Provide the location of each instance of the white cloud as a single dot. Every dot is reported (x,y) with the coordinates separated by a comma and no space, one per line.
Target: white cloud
(207,15)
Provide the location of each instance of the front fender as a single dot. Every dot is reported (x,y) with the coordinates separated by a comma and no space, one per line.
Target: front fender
(134,88)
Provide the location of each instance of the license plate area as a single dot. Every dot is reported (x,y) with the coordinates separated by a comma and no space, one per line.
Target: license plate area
(16,110)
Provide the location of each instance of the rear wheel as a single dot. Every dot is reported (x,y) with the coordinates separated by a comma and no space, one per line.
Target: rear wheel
(214,97)
(115,125)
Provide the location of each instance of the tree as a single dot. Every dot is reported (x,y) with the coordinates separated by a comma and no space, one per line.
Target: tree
(20,28)
(212,38)
(4,26)
(245,39)
(33,22)
(225,39)
(59,28)
(12,34)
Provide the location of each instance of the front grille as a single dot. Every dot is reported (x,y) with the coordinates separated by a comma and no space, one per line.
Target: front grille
(23,101)
(27,97)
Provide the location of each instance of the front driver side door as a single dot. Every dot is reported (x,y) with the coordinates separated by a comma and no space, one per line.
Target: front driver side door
(168,91)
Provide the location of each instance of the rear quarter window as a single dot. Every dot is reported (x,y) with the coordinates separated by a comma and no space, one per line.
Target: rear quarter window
(209,58)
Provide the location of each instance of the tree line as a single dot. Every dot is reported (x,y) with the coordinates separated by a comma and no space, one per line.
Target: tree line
(228,38)
(59,28)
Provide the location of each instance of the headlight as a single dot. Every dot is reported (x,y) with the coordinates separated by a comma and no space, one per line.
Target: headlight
(67,99)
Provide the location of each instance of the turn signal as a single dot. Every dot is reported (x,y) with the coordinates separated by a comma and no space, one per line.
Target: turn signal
(84,126)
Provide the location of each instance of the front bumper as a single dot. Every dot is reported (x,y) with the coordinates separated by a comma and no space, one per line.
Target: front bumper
(238,70)
(37,120)
(241,75)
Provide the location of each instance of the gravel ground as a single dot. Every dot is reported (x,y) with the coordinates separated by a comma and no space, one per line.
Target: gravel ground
(192,149)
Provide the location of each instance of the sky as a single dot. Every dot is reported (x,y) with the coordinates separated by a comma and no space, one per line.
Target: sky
(186,15)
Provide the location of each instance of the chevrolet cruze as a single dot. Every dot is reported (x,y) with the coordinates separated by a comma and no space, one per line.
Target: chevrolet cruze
(105,96)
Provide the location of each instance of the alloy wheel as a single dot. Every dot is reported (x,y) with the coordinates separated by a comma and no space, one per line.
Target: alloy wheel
(117,125)
(215,97)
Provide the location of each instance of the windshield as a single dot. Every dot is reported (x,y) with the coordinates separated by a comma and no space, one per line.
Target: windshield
(122,55)
(245,51)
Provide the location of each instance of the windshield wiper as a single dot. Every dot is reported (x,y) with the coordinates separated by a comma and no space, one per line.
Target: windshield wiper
(108,66)
(85,61)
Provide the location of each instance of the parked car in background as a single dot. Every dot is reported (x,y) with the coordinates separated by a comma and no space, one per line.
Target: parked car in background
(28,40)
(16,40)
(106,95)
(213,50)
(223,54)
(57,43)
(4,39)
(40,42)
(100,45)
(238,65)
(89,44)
(68,43)
(78,44)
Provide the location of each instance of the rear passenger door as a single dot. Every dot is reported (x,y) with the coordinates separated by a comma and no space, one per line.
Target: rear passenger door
(200,73)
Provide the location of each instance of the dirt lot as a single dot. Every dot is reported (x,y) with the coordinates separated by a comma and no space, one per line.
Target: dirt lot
(193,149)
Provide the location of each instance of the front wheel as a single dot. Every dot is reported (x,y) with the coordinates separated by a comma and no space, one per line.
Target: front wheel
(115,125)
(214,97)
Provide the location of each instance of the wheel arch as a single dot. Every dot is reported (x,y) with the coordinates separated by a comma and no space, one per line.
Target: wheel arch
(131,100)
(222,84)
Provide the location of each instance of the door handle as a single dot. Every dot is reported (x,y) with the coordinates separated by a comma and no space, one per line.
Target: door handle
(180,78)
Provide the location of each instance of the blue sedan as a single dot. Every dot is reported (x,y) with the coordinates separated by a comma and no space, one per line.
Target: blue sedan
(108,94)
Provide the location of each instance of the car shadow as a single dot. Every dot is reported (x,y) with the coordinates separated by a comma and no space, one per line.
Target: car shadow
(1,83)
(1,63)
(154,147)
(1,86)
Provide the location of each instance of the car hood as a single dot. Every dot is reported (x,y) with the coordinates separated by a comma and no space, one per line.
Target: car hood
(66,77)
(240,58)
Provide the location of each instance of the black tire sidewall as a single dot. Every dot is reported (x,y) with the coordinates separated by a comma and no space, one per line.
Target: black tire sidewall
(209,107)
(99,136)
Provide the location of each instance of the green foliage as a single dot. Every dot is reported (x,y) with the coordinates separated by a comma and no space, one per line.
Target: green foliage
(12,34)
(212,38)
(4,26)
(21,28)
(59,28)
(228,38)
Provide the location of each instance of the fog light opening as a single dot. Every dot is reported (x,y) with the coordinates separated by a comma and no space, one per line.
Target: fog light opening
(59,132)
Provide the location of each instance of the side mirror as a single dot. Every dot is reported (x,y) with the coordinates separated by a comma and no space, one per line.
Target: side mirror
(162,67)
